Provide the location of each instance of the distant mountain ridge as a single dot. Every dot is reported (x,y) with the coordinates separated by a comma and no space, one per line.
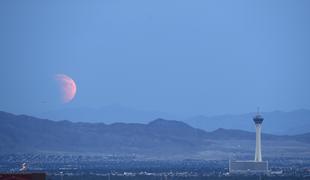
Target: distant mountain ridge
(107,114)
(276,122)
(159,138)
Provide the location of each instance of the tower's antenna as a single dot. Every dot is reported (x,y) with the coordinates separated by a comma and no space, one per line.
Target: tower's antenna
(258,110)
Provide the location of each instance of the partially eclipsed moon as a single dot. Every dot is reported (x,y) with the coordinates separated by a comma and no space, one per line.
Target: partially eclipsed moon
(67,87)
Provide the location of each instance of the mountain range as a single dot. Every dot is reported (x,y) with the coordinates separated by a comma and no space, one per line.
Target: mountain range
(107,114)
(158,139)
(276,122)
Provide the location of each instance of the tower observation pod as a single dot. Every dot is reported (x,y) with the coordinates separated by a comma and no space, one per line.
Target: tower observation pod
(258,120)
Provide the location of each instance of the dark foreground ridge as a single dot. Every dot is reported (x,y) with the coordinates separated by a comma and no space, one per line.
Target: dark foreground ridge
(157,139)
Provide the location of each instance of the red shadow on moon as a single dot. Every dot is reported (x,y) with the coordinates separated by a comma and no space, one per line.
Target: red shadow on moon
(67,87)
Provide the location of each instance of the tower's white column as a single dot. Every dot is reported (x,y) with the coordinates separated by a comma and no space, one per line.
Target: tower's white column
(258,151)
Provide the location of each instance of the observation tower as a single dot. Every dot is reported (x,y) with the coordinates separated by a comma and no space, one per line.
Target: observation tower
(258,120)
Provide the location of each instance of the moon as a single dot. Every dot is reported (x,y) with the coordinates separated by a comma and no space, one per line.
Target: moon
(67,87)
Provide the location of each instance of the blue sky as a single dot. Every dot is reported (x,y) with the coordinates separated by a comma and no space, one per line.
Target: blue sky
(180,57)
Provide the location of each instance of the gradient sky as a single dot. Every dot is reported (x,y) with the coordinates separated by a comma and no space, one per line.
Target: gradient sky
(181,57)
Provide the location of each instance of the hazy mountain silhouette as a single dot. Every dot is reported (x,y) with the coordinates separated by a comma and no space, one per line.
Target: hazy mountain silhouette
(107,114)
(21,133)
(276,122)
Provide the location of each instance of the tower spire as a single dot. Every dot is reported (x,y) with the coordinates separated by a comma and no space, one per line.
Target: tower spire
(258,112)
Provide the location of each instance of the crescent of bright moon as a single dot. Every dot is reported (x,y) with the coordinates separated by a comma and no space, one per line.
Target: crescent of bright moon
(67,87)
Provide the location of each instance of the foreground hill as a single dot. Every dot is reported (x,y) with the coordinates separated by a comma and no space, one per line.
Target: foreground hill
(157,139)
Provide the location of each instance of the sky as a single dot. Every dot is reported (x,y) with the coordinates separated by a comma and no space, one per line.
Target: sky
(180,57)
